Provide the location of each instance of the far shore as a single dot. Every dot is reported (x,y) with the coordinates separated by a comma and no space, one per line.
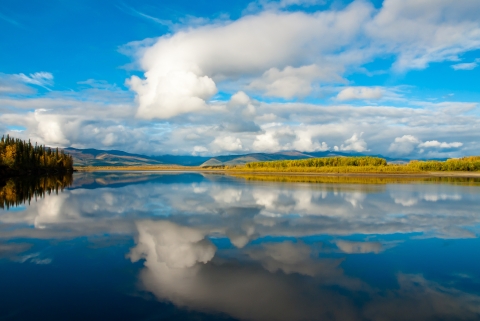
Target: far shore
(250,172)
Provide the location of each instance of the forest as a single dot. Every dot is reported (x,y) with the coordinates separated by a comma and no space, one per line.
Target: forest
(18,157)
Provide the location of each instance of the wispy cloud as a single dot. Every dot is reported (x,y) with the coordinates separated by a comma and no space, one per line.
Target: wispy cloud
(9,20)
(467,65)
(129,10)
(42,79)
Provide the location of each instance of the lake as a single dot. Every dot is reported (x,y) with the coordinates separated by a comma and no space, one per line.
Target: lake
(191,246)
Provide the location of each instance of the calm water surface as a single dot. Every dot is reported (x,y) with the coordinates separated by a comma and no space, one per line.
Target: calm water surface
(185,246)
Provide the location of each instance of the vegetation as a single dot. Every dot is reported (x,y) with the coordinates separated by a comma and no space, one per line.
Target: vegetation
(358,179)
(469,164)
(20,157)
(361,165)
(14,192)
(320,162)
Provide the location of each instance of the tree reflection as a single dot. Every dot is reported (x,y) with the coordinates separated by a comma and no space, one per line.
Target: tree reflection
(18,191)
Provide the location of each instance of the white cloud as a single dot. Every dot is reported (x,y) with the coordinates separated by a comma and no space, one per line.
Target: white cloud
(281,4)
(420,32)
(355,143)
(184,69)
(304,141)
(167,92)
(240,98)
(465,66)
(180,69)
(226,143)
(366,93)
(199,150)
(42,79)
(266,142)
(20,83)
(276,53)
(437,144)
(292,82)
(404,145)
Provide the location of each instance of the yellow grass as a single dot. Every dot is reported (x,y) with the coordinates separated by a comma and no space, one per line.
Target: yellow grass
(334,169)
(286,178)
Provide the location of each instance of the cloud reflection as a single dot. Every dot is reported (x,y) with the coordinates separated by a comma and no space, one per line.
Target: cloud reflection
(174,217)
(244,211)
(282,281)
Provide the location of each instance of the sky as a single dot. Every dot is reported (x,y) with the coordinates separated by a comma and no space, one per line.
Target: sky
(395,77)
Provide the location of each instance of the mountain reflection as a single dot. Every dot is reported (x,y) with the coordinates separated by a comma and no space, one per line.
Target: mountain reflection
(17,191)
(291,251)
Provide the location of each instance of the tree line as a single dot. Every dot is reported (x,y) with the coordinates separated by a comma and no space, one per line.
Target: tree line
(364,164)
(19,156)
(320,162)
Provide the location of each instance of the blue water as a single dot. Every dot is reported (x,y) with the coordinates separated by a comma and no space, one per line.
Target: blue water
(187,246)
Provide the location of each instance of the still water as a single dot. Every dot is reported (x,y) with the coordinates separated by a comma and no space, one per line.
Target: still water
(188,246)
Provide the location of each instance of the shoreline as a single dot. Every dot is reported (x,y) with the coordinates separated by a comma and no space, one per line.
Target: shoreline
(181,169)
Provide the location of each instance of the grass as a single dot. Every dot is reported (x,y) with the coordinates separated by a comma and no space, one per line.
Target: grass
(357,179)
(361,165)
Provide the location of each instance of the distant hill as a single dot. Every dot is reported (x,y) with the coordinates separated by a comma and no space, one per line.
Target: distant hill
(96,157)
(286,155)
(256,157)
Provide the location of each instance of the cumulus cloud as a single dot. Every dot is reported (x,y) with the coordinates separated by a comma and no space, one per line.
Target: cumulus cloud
(293,82)
(183,70)
(437,144)
(365,93)
(406,144)
(174,108)
(192,59)
(239,98)
(355,143)
(167,92)
(227,143)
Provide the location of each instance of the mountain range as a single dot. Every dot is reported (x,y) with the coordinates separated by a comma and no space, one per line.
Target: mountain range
(96,157)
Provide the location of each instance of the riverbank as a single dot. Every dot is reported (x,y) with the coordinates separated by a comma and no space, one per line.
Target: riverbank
(236,171)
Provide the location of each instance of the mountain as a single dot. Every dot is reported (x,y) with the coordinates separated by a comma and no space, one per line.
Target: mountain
(256,157)
(286,155)
(96,157)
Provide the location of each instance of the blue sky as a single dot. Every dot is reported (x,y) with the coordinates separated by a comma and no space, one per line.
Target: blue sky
(213,77)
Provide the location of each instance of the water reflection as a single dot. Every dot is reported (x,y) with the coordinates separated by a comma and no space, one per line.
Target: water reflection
(283,281)
(270,249)
(18,191)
